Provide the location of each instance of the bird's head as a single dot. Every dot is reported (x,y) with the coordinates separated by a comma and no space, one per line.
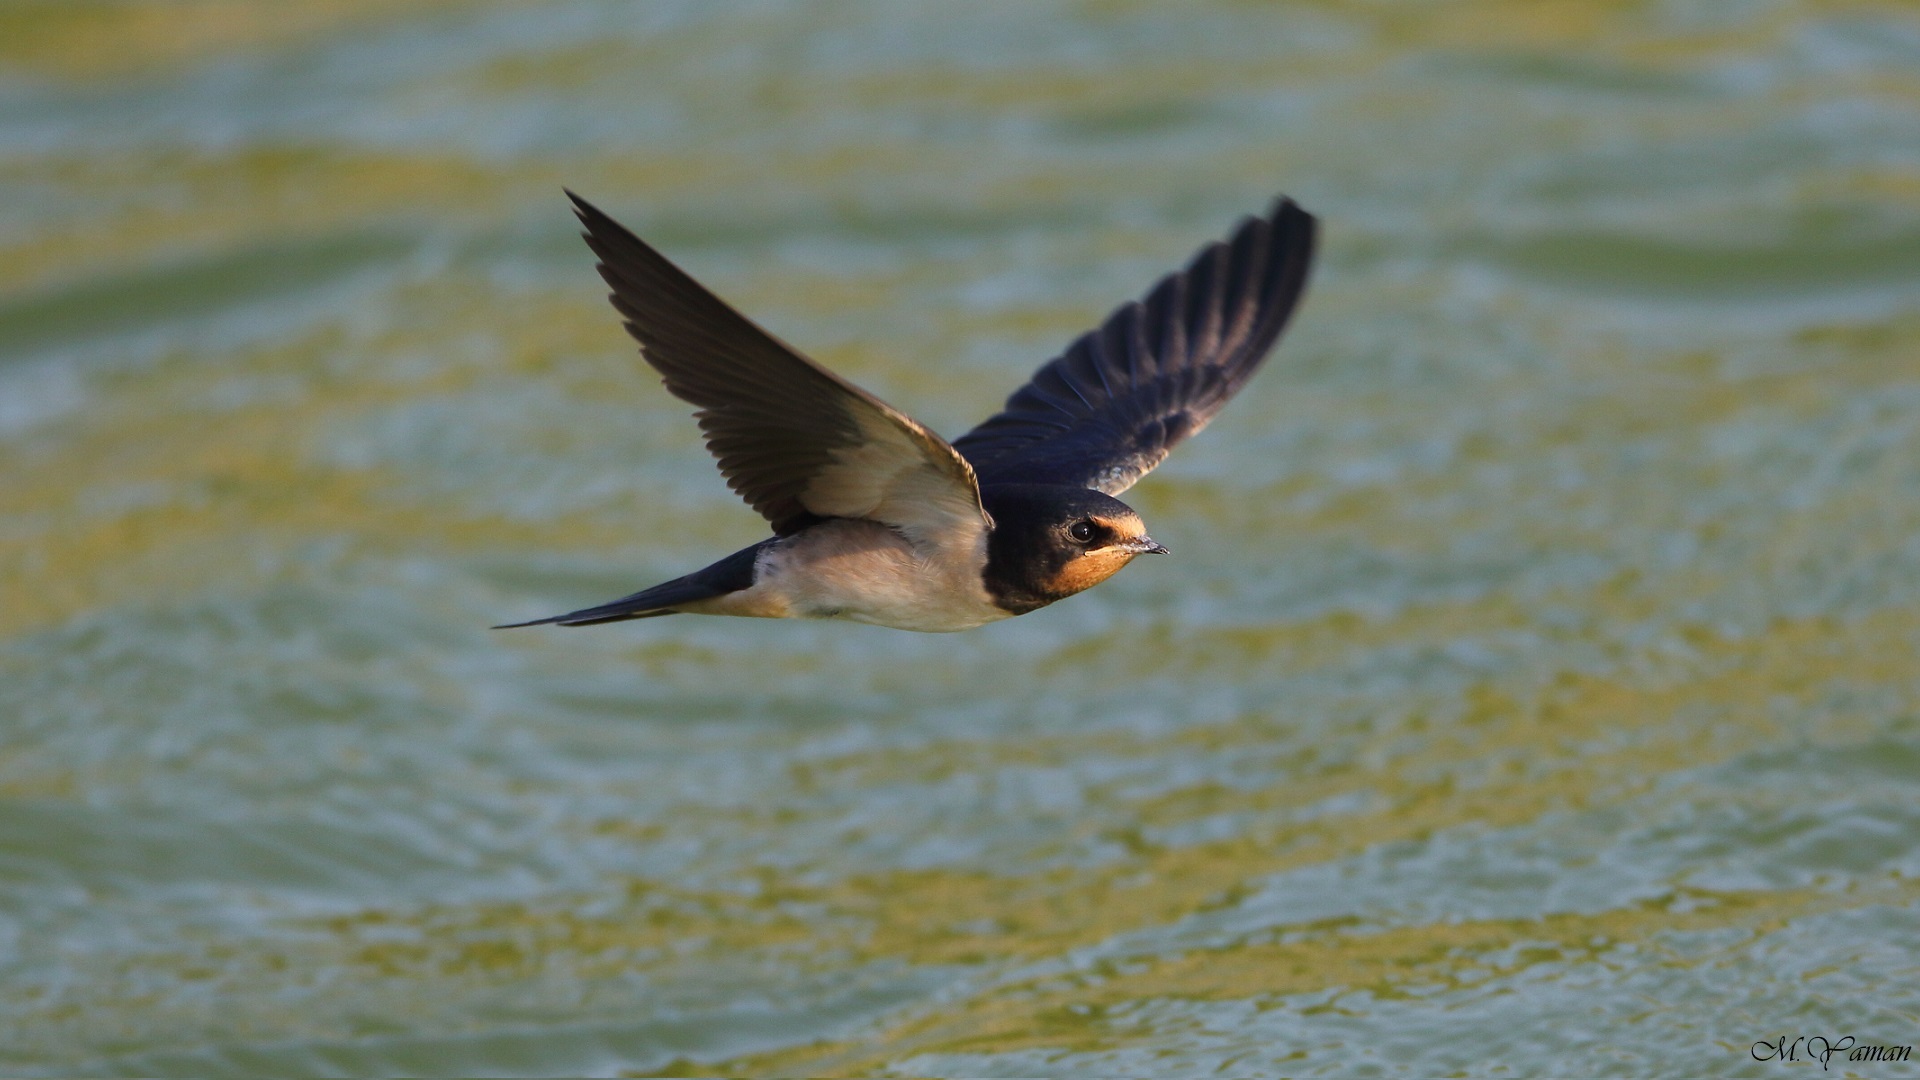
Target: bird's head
(1050,542)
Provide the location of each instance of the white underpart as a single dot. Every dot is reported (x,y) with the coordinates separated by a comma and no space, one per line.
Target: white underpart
(866,572)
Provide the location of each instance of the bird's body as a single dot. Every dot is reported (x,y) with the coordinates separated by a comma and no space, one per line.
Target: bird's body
(878,520)
(848,568)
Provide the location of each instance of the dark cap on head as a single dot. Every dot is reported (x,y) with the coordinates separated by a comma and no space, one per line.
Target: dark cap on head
(1049,542)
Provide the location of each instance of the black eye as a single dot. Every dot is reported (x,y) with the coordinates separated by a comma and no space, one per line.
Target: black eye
(1082,531)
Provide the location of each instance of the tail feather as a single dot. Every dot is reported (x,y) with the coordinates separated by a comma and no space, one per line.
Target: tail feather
(731,574)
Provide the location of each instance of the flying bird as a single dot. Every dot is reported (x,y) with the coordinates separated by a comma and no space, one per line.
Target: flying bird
(879,520)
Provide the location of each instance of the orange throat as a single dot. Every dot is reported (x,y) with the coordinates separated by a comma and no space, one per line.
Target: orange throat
(1088,570)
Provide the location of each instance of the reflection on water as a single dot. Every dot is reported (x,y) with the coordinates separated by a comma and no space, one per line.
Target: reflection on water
(1532,689)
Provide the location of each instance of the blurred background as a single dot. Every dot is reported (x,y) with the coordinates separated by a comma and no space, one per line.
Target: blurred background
(1532,688)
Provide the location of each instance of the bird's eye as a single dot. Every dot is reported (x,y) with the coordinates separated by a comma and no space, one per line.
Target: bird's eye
(1081,532)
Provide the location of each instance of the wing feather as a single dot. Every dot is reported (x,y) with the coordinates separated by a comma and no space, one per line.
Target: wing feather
(796,441)
(1110,408)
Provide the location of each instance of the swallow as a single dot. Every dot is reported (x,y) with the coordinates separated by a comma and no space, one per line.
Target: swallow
(877,519)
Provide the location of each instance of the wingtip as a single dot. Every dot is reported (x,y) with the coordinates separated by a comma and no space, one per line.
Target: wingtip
(1283,220)
(1285,210)
(590,215)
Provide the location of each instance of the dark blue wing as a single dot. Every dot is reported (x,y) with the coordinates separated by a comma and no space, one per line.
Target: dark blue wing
(1106,411)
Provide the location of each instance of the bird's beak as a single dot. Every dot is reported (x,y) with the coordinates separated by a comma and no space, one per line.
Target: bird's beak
(1146,545)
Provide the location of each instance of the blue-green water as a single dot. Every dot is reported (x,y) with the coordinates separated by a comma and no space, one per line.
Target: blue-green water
(1533,689)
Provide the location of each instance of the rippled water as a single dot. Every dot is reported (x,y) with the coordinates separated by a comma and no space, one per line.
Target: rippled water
(1533,688)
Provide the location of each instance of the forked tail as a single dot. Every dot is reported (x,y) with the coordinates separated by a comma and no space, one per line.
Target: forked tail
(731,574)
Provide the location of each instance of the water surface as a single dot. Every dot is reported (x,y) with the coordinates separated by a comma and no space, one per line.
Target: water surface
(1532,689)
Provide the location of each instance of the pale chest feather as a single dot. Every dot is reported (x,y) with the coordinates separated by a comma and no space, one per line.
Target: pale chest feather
(866,572)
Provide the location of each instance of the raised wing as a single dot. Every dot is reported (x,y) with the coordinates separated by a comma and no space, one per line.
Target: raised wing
(795,440)
(1106,411)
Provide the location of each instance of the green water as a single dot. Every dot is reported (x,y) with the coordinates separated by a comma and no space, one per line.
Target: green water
(1532,690)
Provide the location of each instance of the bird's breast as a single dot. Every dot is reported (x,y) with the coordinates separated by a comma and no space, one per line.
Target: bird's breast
(867,572)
